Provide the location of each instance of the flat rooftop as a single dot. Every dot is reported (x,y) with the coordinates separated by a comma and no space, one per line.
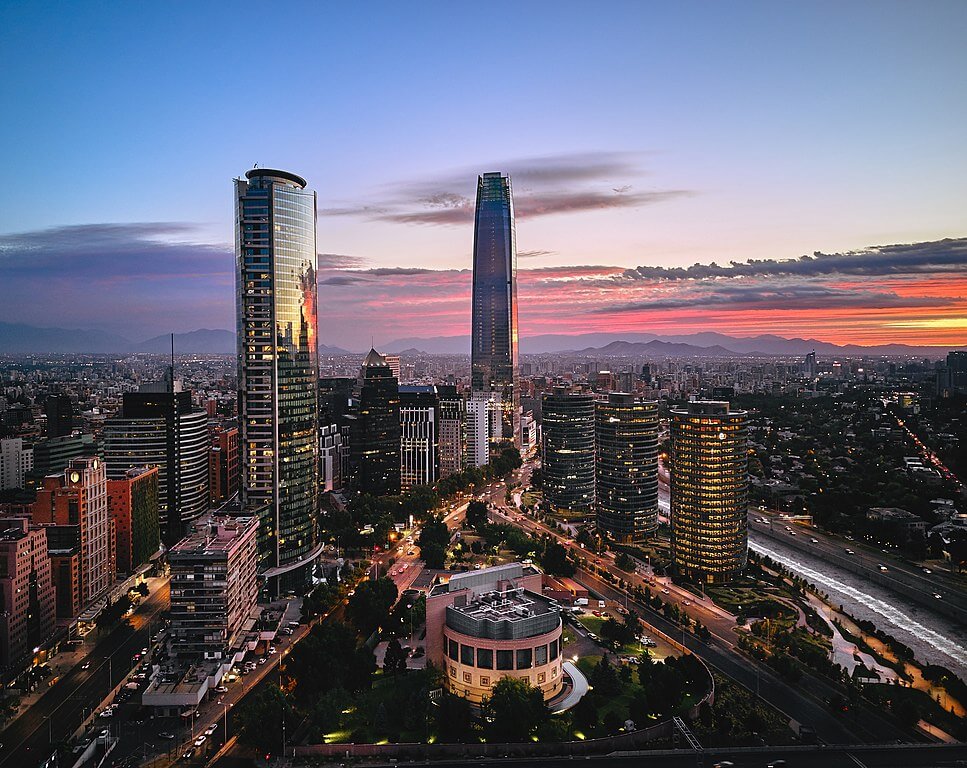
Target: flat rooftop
(215,534)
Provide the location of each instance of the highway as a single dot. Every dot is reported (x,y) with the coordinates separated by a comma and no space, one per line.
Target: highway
(30,738)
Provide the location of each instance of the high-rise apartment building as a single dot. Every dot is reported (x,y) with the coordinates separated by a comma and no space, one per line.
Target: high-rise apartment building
(567,450)
(132,503)
(278,370)
(479,421)
(709,491)
(60,415)
(214,586)
(453,413)
(27,597)
(626,467)
(493,355)
(224,473)
(374,438)
(77,502)
(419,435)
(159,426)
(16,461)
(333,457)
(810,369)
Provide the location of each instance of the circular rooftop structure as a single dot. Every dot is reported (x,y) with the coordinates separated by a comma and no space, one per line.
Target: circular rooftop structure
(273,173)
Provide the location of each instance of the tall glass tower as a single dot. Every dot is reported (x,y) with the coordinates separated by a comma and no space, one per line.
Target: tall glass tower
(275,280)
(493,355)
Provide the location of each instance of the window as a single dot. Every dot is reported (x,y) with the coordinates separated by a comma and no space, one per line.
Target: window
(466,655)
(485,658)
(541,677)
(505,659)
(555,649)
(540,656)
(525,657)
(452,649)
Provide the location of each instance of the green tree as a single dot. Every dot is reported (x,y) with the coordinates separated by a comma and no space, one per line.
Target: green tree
(476,515)
(454,719)
(394,661)
(433,555)
(260,718)
(554,560)
(513,711)
(369,607)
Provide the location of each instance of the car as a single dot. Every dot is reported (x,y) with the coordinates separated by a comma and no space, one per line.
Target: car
(814,541)
(188,755)
(200,740)
(351,592)
(107,713)
(850,551)
(592,636)
(210,730)
(262,661)
(287,631)
(665,591)
(927,570)
(792,533)
(293,625)
(686,602)
(86,665)
(272,649)
(166,735)
(221,689)
(938,596)
(882,567)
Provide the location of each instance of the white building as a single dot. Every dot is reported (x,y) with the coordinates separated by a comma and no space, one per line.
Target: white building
(482,410)
(15,462)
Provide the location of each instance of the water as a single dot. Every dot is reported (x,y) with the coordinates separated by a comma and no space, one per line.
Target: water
(934,639)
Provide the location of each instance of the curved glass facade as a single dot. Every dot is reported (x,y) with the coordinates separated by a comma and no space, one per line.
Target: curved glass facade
(277,360)
(626,467)
(493,354)
(567,450)
(709,491)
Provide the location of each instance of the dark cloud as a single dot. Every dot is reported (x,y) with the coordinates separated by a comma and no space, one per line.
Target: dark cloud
(543,186)
(778,297)
(339,261)
(534,254)
(939,257)
(345,279)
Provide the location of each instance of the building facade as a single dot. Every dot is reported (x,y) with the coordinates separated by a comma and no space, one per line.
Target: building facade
(419,435)
(77,502)
(374,438)
(453,413)
(709,491)
(567,450)
(278,370)
(626,467)
(132,503)
(27,597)
(159,426)
(493,623)
(224,472)
(16,461)
(333,457)
(493,356)
(214,586)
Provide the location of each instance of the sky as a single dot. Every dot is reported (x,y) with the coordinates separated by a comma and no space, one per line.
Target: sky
(797,169)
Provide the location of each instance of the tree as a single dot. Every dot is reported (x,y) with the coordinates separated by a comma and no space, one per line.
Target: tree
(394,661)
(454,719)
(326,715)
(260,719)
(624,562)
(476,515)
(554,560)
(604,678)
(327,658)
(585,712)
(433,555)
(369,607)
(513,711)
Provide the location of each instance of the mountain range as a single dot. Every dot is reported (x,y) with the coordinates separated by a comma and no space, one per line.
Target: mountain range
(18,338)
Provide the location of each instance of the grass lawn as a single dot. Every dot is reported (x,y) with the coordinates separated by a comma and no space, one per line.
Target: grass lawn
(750,601)
(530,498)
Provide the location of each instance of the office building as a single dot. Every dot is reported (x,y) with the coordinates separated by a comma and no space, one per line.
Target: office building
(482,409)
(493,623)
(60,415)
(335,399)
(709,491)
(27,597)
(16,461)
(159,426)
(333,457)
(528,434)
(278,370)
(567,450)
(493,355)
(626,467)
(214,586)
(375,429)
(419,435)
(54,454)
(132,503)
(810,369)
(224,470)
(77,501)
(393,361)
(453,414)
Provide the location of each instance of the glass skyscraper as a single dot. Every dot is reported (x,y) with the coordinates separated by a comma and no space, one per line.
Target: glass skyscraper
(567,450)
(493,354)
(275,278)
(709,491)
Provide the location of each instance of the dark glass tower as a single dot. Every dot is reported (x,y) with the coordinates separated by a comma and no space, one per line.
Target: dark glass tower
(275,279)
(375,429)
(709,491)
(493,355)
(626,467)
(567,450)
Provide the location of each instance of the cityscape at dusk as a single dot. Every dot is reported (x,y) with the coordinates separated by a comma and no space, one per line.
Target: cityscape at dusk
(460,383)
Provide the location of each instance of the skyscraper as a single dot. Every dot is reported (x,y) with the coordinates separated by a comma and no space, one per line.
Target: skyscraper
(493,355)
(709,491)
(453,412)
(159,426)
(567,450)
(374,437)
(132,504)
(419,435)
(626,466)
(275,280)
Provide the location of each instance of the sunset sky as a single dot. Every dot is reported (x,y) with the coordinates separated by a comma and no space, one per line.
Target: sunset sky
(797,169)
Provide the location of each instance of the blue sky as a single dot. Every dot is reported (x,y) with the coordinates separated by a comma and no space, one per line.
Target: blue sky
(730,131)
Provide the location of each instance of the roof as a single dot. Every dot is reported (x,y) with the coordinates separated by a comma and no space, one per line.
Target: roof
(374,358)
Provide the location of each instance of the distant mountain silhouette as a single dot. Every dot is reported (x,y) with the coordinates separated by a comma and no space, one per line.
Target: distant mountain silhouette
(203,341)
(656,347)
(17,338)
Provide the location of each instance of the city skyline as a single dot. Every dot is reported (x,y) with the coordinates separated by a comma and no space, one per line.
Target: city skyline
(668,143)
